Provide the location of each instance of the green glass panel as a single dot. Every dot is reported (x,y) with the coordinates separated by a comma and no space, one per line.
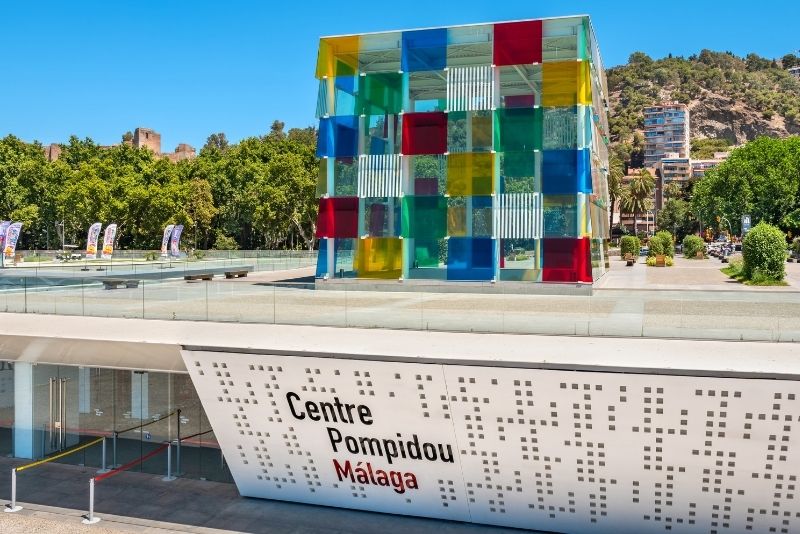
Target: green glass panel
(424,217)
(520,172)
(429,254)
(380,93)
(518,129)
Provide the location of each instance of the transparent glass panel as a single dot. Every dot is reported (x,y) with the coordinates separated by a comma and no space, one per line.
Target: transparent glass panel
(520,86)
(382,134)
(427,91)
(380,52)
(560,215)
(469,131)
(469,45)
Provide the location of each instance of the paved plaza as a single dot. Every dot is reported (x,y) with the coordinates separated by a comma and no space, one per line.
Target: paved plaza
(693,299)
(57,494)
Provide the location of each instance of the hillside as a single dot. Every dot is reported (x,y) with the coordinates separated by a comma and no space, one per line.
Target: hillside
(731,98)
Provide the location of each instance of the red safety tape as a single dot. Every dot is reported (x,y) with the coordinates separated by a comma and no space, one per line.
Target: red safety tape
(130,464)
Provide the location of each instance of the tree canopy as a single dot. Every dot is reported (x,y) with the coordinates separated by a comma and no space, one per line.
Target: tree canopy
(260,192)
(762,179)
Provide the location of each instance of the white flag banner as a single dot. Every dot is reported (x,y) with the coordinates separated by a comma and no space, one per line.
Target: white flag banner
(108,241)
(11,238)
(165,239)
(175,241)
(91,240)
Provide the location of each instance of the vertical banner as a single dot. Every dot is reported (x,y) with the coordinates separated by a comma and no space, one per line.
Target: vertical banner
(108,241)
(10,242)
(3,227)
(165,239)
(175,241)
(91,240)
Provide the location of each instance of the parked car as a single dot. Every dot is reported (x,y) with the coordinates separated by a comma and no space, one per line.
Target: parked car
(644,251)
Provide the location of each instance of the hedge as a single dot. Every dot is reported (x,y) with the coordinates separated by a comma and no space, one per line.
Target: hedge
(630,244)
(764,252)
(662,244)
(693,244)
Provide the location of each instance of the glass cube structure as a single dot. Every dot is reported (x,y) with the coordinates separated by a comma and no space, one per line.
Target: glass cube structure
(467,153)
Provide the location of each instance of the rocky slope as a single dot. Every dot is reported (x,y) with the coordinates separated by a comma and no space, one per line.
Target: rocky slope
(732,98)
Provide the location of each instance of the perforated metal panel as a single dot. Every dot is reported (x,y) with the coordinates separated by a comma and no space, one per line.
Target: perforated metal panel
(550,450)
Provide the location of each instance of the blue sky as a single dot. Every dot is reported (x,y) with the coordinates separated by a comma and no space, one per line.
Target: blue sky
(98,68)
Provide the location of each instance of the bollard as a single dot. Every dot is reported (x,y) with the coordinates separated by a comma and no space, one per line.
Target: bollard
(178,446)
(103,468)
(13,506)
(91,519)
(114,452)
(169,477)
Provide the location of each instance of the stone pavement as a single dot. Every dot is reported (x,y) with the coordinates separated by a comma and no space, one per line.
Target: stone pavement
(704,275)
(137,502)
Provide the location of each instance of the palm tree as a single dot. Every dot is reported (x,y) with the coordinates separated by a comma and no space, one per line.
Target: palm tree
(616,171)
(636,194)
(673,190)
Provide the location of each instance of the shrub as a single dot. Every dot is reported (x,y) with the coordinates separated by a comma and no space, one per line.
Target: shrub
(692,244)
(796,247)
(661,243)
(764,252)
(629,244)
(651,261)
(151,256)
(224,242)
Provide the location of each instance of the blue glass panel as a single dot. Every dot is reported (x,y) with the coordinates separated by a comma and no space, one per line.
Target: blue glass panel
(322,258)
(566,172)
(424,50)
(338,137)
(470,258)
(325,138)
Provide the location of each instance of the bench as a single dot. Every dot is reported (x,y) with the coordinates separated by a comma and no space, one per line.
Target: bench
(195,277)
(116,283)
(236,274)
(699,255)
(629,260)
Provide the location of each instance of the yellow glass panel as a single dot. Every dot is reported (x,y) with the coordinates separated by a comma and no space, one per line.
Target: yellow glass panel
(457,221)
(470,174)
(379,257)
(566,83)
(338,56)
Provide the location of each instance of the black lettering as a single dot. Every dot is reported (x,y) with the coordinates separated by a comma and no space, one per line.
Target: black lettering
(335,437)
(327,408)
(312,411)
(429,449)
(374,446)
(364,414)
(289,396)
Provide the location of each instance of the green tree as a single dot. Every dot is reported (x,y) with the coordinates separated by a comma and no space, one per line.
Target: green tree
(761,179)
(676,217)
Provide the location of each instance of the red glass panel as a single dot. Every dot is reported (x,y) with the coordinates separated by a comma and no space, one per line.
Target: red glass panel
(518,43)
(566,260)
(424,133)
(338,217)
